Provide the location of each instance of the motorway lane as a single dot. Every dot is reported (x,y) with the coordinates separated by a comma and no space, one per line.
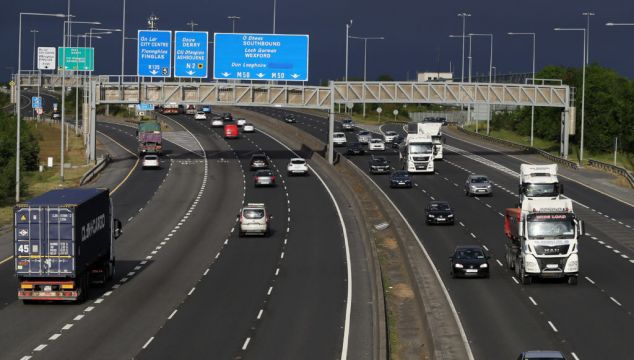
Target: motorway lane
(167,247)
(585,342)
(276,285)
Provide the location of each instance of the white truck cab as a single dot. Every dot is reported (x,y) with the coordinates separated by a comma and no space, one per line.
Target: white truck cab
(539,182)
(417,154)
(254,220)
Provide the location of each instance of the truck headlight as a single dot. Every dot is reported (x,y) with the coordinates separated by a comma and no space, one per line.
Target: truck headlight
(530,264)
(572,264)
(458,266)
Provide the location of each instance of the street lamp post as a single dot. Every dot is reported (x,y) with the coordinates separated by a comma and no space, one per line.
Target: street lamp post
(192,24)
(233,22)
(348,26)
(464,23)
(34,32)
(274,14)
(17,100)
(583,88)
(470,62)
(532,107)
(365,58)
(587,14)
(490,70)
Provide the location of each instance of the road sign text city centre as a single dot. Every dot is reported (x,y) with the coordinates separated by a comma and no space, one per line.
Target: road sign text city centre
(191,54)
(261,57)
(154,53)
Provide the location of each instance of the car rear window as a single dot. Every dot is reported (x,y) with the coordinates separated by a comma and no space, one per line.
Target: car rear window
(439,207)
(298,162)
(253,213)
(480,179)
(338,135)
(151,157)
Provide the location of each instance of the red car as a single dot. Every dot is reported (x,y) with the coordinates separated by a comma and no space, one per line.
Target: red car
(231,131)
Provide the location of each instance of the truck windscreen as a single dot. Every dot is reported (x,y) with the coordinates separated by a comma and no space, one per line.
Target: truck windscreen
(420,148)
(542,226)
(532,190)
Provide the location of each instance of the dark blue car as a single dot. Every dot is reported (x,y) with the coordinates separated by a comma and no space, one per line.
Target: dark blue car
(400,178)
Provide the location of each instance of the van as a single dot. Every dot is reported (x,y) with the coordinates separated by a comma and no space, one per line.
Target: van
(231,131)
(254,219)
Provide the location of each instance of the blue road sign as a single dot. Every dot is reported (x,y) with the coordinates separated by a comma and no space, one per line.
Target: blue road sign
(261,57)
(145,107)
(36,102)
(154,53)
(191,54)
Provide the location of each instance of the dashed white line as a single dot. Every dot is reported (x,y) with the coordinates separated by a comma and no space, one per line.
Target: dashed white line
(499,262)
(191,291)
(473,235)
(172,314)
(532,300)
(574,356)
(99,301)
(89,309)
(270,290)
(206,272)
(40,347)
(55,336)
(148,342)
(461,224)
(67,327)
(246,343)
(514,279)
(260,314)
(277,271)
(590,280)
(615,301)
(485,247)
(552,326)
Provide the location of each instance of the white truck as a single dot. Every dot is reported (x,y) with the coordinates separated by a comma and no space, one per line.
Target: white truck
(417,154)
(434,130)
(539,182)
(542,240)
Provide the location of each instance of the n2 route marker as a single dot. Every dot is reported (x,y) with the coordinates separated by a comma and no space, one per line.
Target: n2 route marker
(191,54)
(154,53)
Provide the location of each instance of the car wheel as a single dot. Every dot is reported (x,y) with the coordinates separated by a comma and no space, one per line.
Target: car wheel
(572,280)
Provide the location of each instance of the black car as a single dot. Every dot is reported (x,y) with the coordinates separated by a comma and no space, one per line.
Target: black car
(439,212)
(259,161)
(400,178)
(398,140)
(227,117)
(355,148)
(468,261)
(379,165)
(290,118)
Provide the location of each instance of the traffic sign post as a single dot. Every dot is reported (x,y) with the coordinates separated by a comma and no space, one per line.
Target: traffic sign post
(46,58)
(154,53)
(144,107)
(191,54)
(36,102)
(76,59)
(261,57)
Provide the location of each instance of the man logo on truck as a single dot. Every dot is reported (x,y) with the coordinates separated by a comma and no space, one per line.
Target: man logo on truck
(93,226)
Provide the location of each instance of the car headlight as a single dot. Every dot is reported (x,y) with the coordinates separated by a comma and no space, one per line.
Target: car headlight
(430,215)
(458,266)
(572,264)
(530,264)
(450,215)
(488,186)
(484,266)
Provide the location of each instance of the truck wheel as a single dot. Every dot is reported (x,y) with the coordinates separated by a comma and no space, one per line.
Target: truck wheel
(572,280)
(526,279)
(509,262)
(111,270)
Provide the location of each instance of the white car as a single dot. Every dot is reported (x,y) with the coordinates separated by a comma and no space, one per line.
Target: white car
(254,219)
(376,144)
(339,139)
(389,136)
(200,116)
(297,166)
(247,127)
(241,122)
(217,123)
(150,161)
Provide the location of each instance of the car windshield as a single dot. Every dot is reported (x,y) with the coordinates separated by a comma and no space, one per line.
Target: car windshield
(469,254)
(379,160)
(439,207)
(480,179)
(298,162)
(364,133)
(253,213)
(420,148)
(550,226)
(540,190)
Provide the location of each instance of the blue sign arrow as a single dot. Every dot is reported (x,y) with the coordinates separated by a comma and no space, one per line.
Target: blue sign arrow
(36,102)
(261,57)
(191,54)
(154,53)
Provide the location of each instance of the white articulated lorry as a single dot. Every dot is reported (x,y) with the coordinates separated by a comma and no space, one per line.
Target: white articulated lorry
(434,130)
(539,182)
(542,240)
(417,153)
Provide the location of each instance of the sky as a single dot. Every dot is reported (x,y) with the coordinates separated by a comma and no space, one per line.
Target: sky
(416,32)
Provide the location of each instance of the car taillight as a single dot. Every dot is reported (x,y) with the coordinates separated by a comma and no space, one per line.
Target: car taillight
(272,178)
(257,178)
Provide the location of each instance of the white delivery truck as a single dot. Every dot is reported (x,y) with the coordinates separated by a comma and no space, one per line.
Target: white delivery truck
(539,182)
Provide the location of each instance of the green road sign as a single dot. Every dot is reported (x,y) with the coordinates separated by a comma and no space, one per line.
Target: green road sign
(76,59)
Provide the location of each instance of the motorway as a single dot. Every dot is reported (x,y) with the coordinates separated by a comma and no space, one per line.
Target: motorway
(501,317)
(186,285)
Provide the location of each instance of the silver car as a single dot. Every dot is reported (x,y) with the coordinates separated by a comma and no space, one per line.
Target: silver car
(478,185)
(364,137)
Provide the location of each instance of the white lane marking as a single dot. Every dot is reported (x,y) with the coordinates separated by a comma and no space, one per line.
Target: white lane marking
(473,235)
(574,356)
(25,357)
(89,309)
(40,347)
(615,301)
(137,268)
(246,343)
(148,342)
(590,280)
(99,301)
(624,256)
(514,279)
(55,336)
(130,274)
(487,205)
(107,293)
(485,247)
(277,271)
(270,290)
(500,214)
(593,237)
(67,327)
(172,314)
(532,300)
(260,314)
(499,262)
(282,255)
(191,291)
(552,326)
(206,272)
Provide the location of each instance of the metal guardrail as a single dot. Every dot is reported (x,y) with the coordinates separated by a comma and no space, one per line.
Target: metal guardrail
(613,169)
(528,149)
(95,170)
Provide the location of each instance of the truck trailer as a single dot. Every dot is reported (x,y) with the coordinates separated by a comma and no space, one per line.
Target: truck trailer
(150,137)
(63,242)
(542,240)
